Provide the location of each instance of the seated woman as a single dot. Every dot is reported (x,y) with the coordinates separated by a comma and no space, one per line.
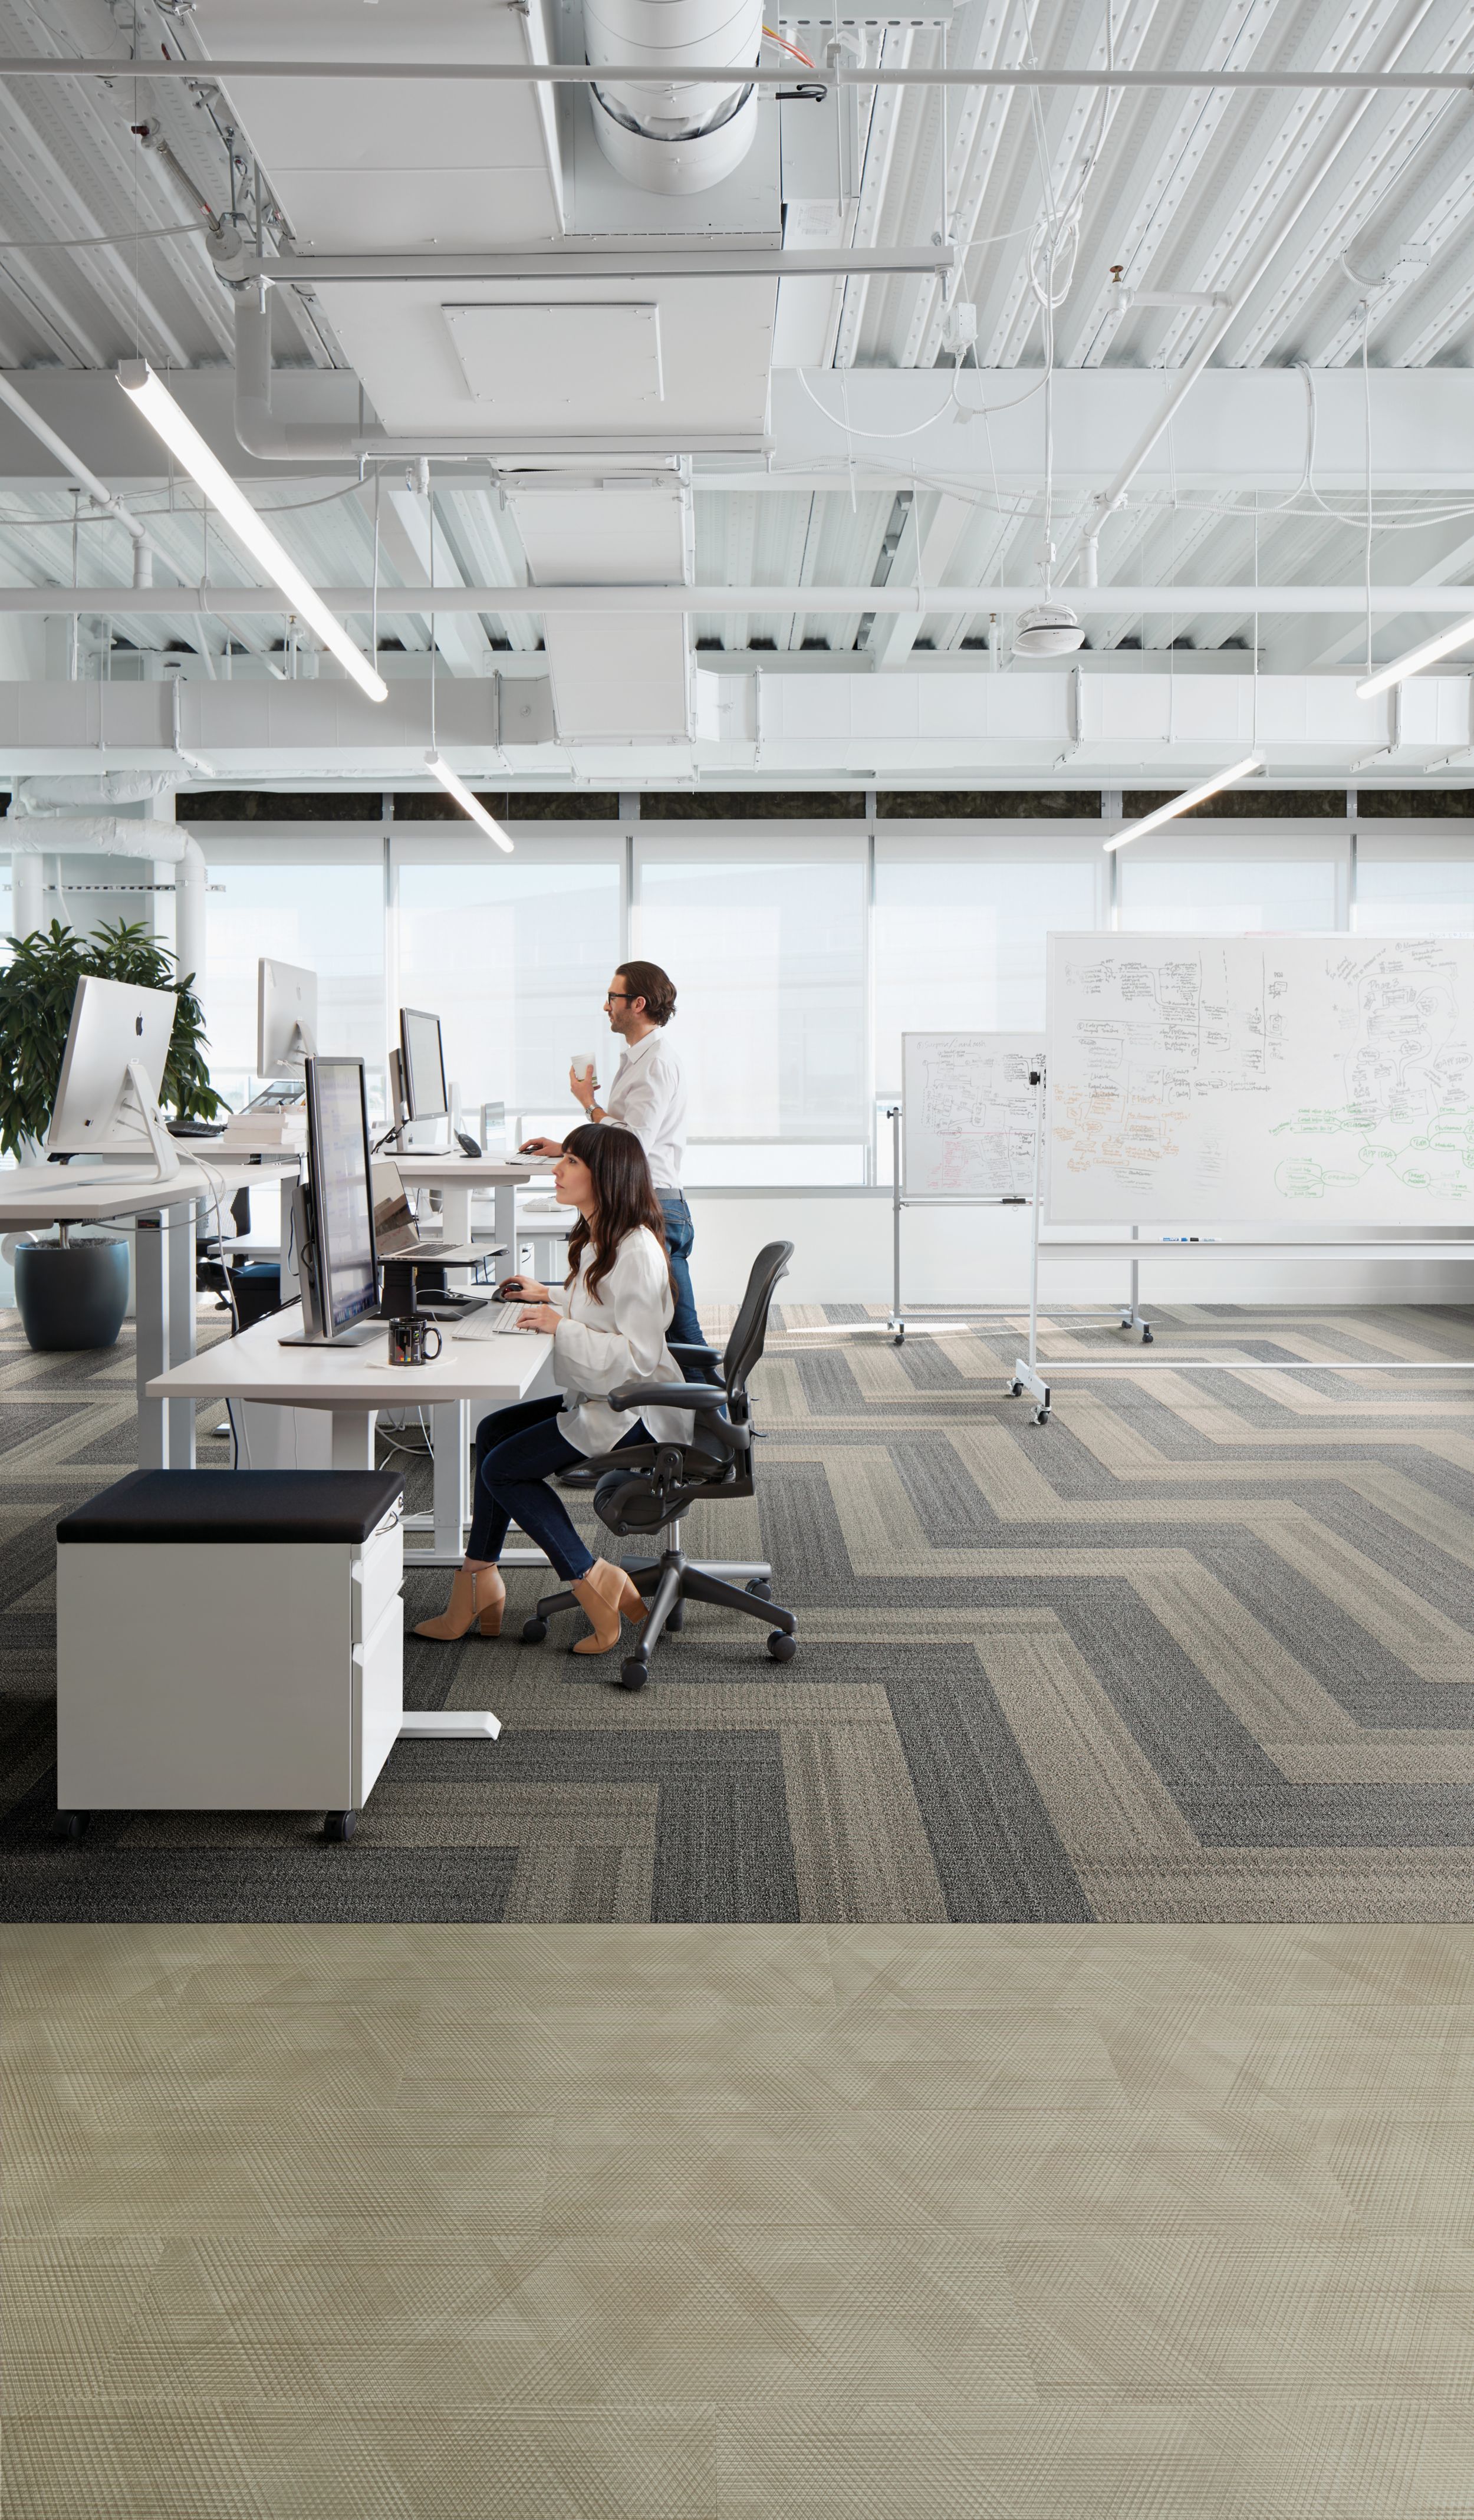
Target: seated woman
(608,1326)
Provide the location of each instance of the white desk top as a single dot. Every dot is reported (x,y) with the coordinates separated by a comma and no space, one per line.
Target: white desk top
(463,1172)
(494,1371)
(38,1195)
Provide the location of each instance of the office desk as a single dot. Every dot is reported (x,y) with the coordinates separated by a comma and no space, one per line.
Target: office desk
(354,1383)
(36,1196)
(457,1176)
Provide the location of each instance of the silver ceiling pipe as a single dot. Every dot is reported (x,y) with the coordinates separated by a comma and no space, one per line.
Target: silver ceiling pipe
(104,501)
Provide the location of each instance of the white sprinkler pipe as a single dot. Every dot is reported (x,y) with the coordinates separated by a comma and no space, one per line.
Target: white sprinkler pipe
(106,501)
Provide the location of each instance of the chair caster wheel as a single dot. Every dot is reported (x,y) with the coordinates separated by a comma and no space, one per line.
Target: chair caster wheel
(633,1673)
(1015,1390)
(339,1827)
(760,1588)
(782,1647)
(1040,1417)
(70,1825)
(534,1631)
(676,1622)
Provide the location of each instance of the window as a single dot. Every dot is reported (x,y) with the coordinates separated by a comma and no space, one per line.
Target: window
(1232,895)
(959,938)
(1414,898)
(765,941)
(515,958)
(327,917)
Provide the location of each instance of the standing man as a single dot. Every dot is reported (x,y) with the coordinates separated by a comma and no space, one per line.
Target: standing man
(649,1097)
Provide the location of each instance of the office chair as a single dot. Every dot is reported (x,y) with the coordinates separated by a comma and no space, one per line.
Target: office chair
(648,1487)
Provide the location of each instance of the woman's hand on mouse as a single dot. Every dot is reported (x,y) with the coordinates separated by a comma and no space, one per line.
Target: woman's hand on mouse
(552,1147)
(511,1289)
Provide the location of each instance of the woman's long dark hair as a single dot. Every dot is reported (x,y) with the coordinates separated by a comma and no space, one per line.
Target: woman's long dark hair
(624,1198)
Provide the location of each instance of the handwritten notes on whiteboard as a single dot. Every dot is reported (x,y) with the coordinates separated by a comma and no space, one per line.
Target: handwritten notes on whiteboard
(969,1113)
(1293,1080)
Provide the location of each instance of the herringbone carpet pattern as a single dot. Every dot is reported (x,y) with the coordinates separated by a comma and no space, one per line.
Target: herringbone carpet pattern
(1201,1649)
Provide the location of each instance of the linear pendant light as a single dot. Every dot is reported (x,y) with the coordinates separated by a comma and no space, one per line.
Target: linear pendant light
(1190,798)
(153,399)
(1442,643)
(468,803)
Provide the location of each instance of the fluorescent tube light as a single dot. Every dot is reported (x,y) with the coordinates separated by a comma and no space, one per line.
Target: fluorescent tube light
(1442,643)
(468,803)
(1190,798)
(152,397)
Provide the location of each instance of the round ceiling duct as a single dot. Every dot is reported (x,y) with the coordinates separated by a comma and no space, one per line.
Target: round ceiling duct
(1049,629)
(658,133)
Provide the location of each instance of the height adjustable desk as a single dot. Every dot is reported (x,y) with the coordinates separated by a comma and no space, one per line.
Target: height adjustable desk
(456,1177)
(354,1383)
(36,1196)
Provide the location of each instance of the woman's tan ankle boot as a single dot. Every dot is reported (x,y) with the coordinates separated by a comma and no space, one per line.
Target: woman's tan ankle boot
(477,1594)
(600,1594)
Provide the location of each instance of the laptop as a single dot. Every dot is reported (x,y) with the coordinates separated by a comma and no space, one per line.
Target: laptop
(397,1235)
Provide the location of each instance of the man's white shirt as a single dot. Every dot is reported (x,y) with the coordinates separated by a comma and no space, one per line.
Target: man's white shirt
(648,1097)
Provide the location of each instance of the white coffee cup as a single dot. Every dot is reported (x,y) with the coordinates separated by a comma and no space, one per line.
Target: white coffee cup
(583,1066)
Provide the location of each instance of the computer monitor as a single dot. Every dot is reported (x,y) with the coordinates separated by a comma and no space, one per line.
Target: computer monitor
(421,1064)
(336,1254)
(286,1017)
(107,1101)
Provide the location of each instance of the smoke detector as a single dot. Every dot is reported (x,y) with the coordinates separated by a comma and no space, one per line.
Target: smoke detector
(1047,629)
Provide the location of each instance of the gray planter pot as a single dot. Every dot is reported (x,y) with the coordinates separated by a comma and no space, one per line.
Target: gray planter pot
(73,1294)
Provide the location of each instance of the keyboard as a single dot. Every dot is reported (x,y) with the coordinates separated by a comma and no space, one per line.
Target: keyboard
(494,1323)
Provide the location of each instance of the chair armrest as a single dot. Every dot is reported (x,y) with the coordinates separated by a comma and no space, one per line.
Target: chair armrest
(702,1397)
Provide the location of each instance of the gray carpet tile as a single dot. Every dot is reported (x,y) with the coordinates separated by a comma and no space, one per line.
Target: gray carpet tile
(1203,1648)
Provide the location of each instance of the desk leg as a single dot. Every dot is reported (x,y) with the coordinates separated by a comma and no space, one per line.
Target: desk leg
(353,1438)
(450,1437)
(179,1237)
(503,1220)
(150,1321)
(455,1214)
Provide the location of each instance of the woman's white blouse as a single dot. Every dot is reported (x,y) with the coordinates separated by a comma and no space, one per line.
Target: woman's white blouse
(613,1336)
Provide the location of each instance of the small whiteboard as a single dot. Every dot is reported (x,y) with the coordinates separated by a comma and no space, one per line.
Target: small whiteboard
(968,1114)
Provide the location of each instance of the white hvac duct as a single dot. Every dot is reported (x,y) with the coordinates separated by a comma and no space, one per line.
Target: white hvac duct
(34,836)
(661,133)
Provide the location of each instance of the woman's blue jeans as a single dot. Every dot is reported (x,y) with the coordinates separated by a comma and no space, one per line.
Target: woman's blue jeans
(685,1328)
(518,1451)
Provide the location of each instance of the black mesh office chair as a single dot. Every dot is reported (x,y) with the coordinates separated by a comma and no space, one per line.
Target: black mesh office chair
(647,1487)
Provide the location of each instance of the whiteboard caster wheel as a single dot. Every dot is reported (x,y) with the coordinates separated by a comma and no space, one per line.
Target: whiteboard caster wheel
(1015,1390)
(1147,1333)
(71,1826)
(1040,1417)
(339,1827)
(780,1647)
(534,1631)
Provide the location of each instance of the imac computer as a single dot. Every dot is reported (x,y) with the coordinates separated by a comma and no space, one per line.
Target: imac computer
(286,1018)
(334,1211)
(111,1076)
(422,1066)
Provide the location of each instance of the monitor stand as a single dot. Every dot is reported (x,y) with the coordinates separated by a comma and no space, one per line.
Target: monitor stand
(158,1161)
(357,1335)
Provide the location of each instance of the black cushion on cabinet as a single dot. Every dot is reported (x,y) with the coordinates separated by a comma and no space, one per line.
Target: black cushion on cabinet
(282,1506)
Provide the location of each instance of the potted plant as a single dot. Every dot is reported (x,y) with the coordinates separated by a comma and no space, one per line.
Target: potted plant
(73,1293)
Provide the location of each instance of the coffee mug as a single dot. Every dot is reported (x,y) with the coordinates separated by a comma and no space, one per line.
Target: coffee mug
(409,1340)
(584,1065)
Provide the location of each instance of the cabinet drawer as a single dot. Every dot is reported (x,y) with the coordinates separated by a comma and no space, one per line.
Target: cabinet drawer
(378,1573)
(378,1698)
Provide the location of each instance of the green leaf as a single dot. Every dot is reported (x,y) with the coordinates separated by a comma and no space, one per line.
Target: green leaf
(37,987)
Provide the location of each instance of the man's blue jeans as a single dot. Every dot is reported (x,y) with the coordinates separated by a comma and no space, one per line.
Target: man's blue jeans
(685,1328)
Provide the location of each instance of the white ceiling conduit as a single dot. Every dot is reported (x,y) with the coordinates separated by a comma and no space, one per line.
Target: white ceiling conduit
(661,133)
(103,500)
(34,831)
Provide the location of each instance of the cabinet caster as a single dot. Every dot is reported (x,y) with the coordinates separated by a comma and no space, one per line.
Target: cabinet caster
(634,1672)
(70,1825)
(782,1647)
(534,1631)
(339,1827)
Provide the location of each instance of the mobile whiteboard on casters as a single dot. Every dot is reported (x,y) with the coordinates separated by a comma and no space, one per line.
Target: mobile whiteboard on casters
(969,1114)
(1293,1081)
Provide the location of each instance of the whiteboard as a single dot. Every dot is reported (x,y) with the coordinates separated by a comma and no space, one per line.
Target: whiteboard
(1269,1080)
(967,1115)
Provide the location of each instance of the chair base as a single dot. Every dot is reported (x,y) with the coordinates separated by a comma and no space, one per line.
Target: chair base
(668,1583)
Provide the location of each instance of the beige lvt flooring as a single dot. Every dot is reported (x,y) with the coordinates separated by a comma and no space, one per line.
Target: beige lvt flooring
(684,2223)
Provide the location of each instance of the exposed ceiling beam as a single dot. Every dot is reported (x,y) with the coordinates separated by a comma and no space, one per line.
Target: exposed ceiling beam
(840,74)
(1088,601)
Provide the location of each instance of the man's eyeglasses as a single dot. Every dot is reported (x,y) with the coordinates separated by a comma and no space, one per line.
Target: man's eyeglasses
(614,994)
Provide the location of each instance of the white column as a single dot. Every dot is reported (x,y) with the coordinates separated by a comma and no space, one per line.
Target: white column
(27,882)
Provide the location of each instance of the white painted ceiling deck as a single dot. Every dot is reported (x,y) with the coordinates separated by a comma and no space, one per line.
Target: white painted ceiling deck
(859,457)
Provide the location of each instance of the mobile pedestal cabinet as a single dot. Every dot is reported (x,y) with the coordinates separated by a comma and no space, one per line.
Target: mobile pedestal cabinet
(229,1640)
